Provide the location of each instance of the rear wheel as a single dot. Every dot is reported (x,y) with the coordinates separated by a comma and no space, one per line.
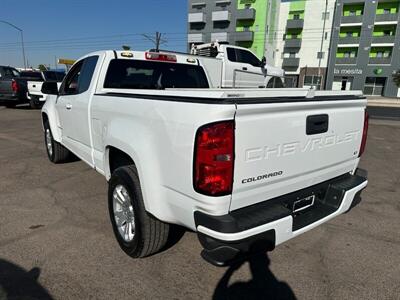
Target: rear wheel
(56,152)
(34,104)
(138,233)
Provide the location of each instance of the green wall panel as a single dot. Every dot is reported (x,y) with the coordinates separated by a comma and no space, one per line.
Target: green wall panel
(258,26)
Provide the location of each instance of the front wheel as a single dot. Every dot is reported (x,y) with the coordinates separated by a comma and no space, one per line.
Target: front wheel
(138,233)
(56,152)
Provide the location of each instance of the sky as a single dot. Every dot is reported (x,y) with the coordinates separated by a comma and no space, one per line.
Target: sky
(72,28)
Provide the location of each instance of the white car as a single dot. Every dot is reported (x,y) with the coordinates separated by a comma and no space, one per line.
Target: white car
(247,169)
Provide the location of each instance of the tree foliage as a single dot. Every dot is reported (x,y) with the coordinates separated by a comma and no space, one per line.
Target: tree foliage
(42,67)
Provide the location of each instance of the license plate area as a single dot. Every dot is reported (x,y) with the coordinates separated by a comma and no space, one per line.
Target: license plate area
(303,203)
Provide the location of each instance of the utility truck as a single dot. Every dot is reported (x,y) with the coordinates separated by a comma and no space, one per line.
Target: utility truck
(246,169)
(238,67)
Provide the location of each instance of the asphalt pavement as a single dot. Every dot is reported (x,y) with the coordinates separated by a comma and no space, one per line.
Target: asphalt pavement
(56,241)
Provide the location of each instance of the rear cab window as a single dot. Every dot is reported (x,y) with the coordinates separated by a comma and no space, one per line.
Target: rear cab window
(36,76)
(10,72)
(142,74)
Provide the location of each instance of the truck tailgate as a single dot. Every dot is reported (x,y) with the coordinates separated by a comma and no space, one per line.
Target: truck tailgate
(286,146)
(35,87)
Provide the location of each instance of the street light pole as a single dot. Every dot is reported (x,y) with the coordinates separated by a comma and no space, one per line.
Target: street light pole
(22,39)
(322,44)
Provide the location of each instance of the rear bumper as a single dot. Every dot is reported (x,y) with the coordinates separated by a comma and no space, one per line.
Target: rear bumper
(36,97)
(264,225)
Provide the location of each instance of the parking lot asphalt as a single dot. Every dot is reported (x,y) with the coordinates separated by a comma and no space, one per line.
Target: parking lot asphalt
(56,241)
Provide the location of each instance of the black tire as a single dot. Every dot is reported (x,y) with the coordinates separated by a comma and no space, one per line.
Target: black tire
(33,104)
(150,234)
(59,153)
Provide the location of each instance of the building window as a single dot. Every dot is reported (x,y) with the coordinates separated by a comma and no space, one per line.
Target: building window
(313,81)
(387,33)
(352,13)
(246,28)
(296,17)
(349,34)
(289,55)
(247,6)
(320,55)
(386,11)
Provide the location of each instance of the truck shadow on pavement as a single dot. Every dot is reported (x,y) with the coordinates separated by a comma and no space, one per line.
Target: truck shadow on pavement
(16,283)
(263,285)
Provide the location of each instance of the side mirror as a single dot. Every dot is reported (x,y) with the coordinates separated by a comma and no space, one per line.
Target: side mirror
(263,61)
(50,88)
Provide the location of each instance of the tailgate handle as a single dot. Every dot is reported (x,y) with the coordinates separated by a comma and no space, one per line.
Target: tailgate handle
(317,124)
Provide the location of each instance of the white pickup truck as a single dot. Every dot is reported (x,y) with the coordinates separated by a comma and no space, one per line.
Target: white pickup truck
(247,169)
(238,67)
(35,96)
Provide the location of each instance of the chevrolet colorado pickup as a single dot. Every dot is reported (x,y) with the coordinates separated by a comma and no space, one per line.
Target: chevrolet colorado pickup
(247,169)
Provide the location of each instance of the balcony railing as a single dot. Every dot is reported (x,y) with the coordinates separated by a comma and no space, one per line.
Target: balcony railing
(244,36)
(349,40)
(219,36)
(380,60)
(352,19)
(196,38)
(246,14)
(292,43)
(346,60)
(291,62)
(386,17)
(383,39)
(295,24)
(197,18)
(221,16)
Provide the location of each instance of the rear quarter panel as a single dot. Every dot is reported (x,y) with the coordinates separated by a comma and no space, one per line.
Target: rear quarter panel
(159,136)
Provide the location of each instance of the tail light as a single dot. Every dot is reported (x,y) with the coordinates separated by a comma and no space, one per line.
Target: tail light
(365,133)
(213,159)
(14,86)
(160,57)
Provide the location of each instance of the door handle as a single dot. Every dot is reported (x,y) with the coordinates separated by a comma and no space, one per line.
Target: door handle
(68,106)
(244,69)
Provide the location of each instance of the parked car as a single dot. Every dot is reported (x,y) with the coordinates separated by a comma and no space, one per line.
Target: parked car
(247,169)
(35,95)
(12,87)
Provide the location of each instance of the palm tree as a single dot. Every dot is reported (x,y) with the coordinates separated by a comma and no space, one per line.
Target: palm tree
(396,78)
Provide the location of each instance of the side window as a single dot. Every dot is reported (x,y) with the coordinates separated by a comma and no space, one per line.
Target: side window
(247,57)
(78,79)
(89,64)
(231,54)
(70,84)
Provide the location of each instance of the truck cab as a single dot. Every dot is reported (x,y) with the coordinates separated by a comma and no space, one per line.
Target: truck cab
(241,68)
